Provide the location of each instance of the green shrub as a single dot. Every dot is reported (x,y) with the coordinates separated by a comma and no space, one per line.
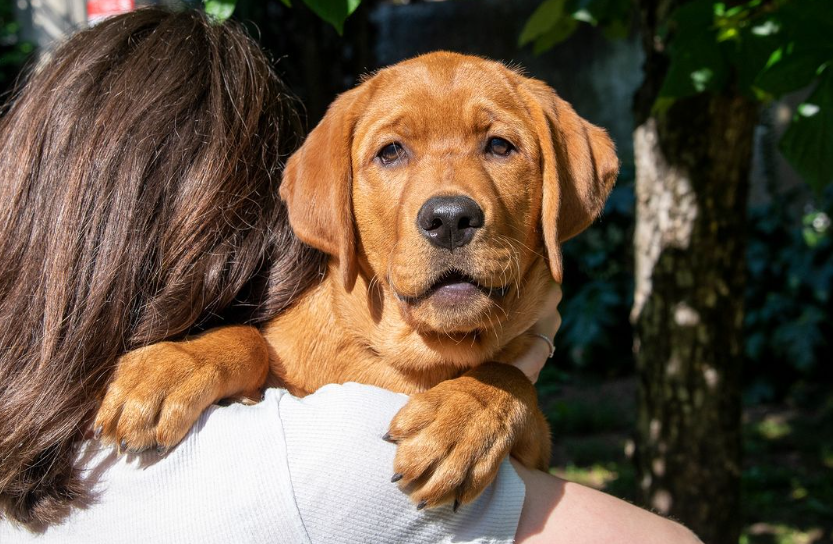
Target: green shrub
(788,314)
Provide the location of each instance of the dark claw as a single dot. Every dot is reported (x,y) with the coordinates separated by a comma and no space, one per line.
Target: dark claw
(123,445)
(98,431)
(161,450)
(421,505)
(388,438)
(396,477)
(456,505)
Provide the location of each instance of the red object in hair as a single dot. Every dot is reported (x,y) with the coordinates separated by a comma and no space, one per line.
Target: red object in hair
(101,9)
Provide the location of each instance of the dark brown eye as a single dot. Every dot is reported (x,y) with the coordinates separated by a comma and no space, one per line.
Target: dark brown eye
(499,146)
(391,153)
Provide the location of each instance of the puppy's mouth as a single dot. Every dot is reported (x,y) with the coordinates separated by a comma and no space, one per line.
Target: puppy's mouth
(454,287)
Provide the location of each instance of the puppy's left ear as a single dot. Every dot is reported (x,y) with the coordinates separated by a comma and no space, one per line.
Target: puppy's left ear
(579,165)
(316,186)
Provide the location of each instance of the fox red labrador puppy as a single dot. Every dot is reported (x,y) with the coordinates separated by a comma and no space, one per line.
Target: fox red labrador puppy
(441,188)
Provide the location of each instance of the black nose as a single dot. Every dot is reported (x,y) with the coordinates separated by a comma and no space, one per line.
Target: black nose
(449,221)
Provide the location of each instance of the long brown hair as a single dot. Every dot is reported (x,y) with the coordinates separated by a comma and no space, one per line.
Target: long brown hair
(139,173)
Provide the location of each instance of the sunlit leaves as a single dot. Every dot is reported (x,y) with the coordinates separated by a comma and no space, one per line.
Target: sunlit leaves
(762,50)
(697,62)
(219,10)
(805,45)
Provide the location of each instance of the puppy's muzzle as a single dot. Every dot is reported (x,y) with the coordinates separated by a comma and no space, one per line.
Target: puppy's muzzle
(449,222)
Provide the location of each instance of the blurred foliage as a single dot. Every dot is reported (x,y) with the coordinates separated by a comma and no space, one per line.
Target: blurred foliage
(577,416)
(13,51)
(761,48)
(598,289)
(788,299)
(788,323)
(787,481)
(616,478)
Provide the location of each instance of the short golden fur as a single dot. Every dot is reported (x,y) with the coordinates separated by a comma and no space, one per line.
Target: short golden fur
(372,319)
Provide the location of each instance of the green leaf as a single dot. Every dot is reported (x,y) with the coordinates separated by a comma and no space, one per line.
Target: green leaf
(286,3)
(698,63)
(562,30)
(555,20)
(780,50)
(696,66)
(219,10)
(334,12)
(808,142)
(790,70)
(542,20)
(751,49)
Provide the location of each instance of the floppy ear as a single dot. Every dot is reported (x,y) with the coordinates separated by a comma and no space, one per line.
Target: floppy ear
(579,169)
(317,183)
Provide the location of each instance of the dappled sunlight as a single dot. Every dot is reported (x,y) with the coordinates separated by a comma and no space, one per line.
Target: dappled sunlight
(774,426)
(787,481)
(781,534)
(596,476)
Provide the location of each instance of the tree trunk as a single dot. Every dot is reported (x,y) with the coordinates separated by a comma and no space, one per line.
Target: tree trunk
(692,169)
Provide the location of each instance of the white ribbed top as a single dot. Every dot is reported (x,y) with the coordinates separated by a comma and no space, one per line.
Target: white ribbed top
(287,470)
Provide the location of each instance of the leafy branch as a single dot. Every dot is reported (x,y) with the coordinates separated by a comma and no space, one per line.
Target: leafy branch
(761,48)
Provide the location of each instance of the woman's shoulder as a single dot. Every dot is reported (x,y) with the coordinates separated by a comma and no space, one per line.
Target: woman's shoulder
(341,469)
(287,469)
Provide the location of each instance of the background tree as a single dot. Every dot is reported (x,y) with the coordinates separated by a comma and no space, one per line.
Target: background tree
(708,65)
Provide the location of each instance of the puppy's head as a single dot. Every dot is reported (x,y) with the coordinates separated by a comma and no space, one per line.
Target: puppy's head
(453,181)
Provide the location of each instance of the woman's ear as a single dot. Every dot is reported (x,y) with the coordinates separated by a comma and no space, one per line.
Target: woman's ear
(317,183)
(579,167)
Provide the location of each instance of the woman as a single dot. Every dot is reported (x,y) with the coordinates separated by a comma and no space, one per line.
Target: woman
(139,200)
(140,168)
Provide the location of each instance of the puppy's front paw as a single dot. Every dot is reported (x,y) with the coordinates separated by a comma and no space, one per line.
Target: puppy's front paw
(452,438)
(157,393)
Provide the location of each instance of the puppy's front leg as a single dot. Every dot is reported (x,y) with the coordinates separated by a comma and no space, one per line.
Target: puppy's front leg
(452,438)
(160,390)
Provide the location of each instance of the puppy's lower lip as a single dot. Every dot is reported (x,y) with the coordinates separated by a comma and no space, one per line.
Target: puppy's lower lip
(455,293)
(454,288)
(464,291)
(459,287)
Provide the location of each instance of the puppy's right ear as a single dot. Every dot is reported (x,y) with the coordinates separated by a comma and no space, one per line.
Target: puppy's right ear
(317,183)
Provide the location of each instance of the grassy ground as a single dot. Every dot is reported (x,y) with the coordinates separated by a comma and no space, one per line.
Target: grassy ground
(788,465)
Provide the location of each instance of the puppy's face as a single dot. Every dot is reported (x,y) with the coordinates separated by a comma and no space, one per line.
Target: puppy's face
(447,191)
(450,181)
